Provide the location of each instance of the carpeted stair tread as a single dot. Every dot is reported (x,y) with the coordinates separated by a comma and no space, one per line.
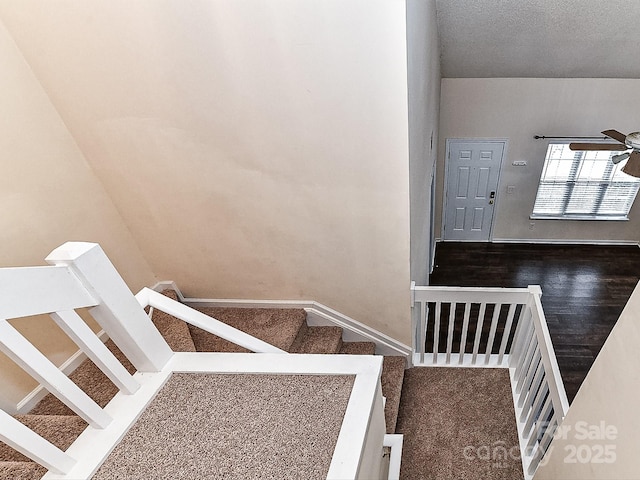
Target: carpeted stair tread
(91,380)
(392,379)
(446,411)
(358,348)
(279,327)
(319,340)
(61,430)
(175,332)
(21,470)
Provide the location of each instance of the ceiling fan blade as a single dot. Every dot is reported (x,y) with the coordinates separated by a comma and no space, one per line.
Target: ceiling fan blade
(633,164)
(597,146)
(616,159)
(616,135)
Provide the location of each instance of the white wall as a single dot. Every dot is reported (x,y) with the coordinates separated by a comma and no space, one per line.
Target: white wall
(423,56)
(49,195)
(254,149)
(518,109)
(600,435)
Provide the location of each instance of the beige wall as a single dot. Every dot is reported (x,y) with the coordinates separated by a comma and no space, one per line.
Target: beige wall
(601,432)
(254,149)
(423,56)
(49,195)
(518,109)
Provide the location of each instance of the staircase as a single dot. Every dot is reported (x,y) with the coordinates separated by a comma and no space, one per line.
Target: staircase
(286,329)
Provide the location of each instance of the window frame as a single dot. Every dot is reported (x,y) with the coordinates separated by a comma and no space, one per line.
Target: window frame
(606,181)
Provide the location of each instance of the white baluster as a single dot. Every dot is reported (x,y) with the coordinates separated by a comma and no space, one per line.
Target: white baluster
(465,329)
(452,314)
(476,343)
(29,358)
(525,401)
(507,332)
(32,445)
(528,378)
(492,332)
(436,332)
(541,422)
(525,324)
(523,368)
(118,312)
(534,413)
(71,323)
(422,339)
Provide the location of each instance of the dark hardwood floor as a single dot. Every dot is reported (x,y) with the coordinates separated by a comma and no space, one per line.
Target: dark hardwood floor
(584,289)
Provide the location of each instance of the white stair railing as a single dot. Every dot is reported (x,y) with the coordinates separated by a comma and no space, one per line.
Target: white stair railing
(496,328)
(150,298)
(83,277)
(540,398)
(465,326)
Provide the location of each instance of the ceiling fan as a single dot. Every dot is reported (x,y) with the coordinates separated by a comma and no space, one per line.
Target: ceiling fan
(629,142)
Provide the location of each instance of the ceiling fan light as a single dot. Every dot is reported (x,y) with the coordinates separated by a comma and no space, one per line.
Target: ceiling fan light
(619,158)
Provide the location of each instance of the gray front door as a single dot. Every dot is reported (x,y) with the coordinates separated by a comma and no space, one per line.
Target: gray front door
(473,168)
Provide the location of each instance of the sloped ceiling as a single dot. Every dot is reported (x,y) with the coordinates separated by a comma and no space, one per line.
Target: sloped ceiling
(539,38)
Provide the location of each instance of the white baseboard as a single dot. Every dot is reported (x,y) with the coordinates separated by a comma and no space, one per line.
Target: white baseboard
(317,315)
(567,242)
(354,331)
(555,241)
(25,405)
(168,285)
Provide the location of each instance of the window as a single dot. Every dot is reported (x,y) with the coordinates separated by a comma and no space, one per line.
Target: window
(583,185)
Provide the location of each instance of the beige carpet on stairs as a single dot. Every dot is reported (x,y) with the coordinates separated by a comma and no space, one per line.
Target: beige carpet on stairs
(211,426)
(288,329)
(175,332)
(90,379)
(393,369)
(61,430)
(457,424)
(21,471)
(279,327)
(318,340)
(358,348)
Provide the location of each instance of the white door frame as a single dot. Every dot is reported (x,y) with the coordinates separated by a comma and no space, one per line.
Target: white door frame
(448,141)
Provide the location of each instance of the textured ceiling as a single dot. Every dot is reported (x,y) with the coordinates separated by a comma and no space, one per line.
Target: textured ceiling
(540,38)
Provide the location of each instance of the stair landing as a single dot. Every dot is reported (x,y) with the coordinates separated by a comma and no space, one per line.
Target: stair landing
(266,426)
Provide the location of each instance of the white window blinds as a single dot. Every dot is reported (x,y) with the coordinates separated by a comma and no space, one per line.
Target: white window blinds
(583,185)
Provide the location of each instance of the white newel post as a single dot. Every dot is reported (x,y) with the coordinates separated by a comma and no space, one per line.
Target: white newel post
(118,312)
